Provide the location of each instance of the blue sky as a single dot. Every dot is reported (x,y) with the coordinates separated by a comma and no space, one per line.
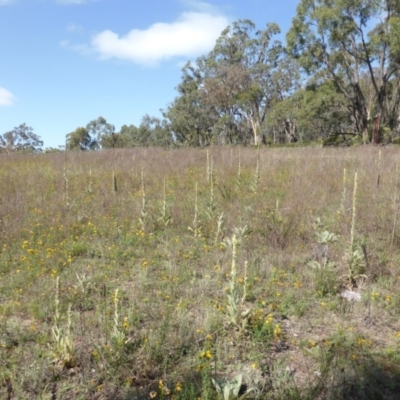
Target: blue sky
(66,62)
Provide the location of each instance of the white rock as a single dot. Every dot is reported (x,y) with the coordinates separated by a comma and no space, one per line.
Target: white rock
(350,295)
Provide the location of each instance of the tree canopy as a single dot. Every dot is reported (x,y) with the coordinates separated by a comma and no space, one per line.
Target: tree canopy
(226,96)
(80,139)
(20,139)
(355,45)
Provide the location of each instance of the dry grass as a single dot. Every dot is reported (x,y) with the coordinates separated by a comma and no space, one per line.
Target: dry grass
(150,300)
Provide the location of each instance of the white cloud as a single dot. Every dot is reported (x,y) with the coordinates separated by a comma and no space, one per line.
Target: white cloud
(192,34)
(6,97)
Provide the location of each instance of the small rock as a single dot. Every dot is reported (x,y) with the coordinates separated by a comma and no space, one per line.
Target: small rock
(349,295)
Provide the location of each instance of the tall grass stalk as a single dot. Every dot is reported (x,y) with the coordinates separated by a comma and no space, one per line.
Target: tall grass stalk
(195,223)
(233,296)
(211,205)
(208,171)
(378,166)
(165,217)
(344,192)
(256,179)
(239,173)
(220,224)
(90,186)
(354,211)
(143,212)
(114,183)
(246,267)
(66,182)
(396,204)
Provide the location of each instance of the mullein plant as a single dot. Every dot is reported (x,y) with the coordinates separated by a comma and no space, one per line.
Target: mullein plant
(119,336)
(324,276)
(220,225)
(165,217)
(230,389)
(354,255)
(90,185)
(320,253)
(66,182)
(143,212)
(63,351)
(233,294)
(84,287)
(242,233)
(237,315)
(239,174)
(211,208)
(209,168)
(195,225)
(342,209)
(395,205)
(256,180)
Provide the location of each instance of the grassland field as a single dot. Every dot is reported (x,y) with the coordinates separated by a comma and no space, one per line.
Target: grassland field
(190,274)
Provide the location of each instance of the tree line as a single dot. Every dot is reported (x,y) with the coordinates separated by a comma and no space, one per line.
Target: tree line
(337,79)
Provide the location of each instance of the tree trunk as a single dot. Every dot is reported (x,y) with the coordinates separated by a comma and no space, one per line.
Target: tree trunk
(364,125)
(377,126)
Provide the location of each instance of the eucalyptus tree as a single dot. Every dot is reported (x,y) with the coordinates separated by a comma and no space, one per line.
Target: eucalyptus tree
(128,135)
(238,76)
(153,131)
(349,38)
(80,139)
(20,139)
(191,119)
(113,141)
(225,96)
(283,114)
(100,132)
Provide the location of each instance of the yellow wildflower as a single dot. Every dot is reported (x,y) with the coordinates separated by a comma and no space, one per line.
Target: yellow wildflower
(277,330)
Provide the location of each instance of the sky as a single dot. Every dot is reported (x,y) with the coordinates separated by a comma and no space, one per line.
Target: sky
(64,63)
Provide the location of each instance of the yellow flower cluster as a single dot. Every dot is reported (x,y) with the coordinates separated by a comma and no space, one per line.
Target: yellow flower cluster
(361,342)
(269,319)
(277,331)
(206,354)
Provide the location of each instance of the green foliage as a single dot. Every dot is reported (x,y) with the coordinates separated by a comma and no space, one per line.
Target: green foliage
(63,341)
(21,139)
(225,98)
(191,120)
(100,134)
(100,130)
(80,139)
(229,389)
(151,132)
(342,40)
